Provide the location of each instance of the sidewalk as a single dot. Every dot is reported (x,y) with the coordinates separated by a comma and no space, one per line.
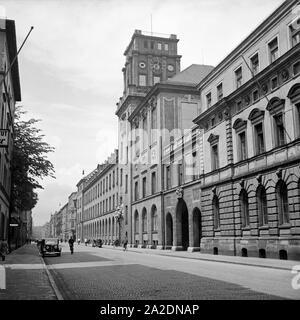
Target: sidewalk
(248,261)
(26,276)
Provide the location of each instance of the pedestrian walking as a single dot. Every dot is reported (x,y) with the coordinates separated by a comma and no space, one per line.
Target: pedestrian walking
(71,244)
(85,241)
(125,245)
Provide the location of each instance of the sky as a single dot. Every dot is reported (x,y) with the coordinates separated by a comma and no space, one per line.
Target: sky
(71,68)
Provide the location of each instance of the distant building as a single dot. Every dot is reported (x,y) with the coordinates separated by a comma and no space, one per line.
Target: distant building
(100,202)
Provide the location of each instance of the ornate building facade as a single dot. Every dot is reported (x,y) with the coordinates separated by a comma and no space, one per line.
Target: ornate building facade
(250,192)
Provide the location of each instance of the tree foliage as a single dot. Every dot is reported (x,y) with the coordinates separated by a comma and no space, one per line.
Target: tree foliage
(29,161)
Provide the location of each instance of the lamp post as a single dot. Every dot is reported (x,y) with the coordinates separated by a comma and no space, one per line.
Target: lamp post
(119,218)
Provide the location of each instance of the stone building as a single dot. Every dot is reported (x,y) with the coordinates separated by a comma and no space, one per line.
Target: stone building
(10,94)
(100,201)
(70,231)
(79,209)
(250,202)
(157,99)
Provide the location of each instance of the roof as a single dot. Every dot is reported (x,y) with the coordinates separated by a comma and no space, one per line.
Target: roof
(192,75)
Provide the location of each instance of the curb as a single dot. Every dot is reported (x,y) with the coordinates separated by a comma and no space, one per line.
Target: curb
(52,282)
(211,260)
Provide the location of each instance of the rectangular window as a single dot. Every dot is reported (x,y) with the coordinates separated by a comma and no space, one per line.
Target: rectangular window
(279,130)
(239,105)
(156,80)
(259,139)
(145,44)
(152,45)
(220,91)
(153,182)
(255,64)
(208,100)
(159,46)
(145,133)
(273,50)
(295,34)
(213,122)
(136,191)
(180,174)
(154,125)
(144,187)
(239,77)
(255,95)
(242,146)
(142,80)
(166,46)
(168,177)
(296,68)
(215,157)
(121,177)
(126,183)
(274,83)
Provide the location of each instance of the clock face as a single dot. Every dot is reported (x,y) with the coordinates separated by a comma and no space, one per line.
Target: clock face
(170,67)
(155,64)
(142,65)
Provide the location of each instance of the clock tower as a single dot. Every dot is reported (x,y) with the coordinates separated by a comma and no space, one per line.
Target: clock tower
(150,58)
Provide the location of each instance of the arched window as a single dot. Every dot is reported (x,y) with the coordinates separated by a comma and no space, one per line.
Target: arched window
(216,212)
(244,208)
(136,222)
(154,219)
(144,220)
(262,206)
(282,203)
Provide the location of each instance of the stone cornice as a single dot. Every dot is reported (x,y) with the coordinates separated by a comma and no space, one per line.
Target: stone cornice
(260,78)
(163,87)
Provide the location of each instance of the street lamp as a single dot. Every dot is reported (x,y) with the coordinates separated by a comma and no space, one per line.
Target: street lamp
(119,218)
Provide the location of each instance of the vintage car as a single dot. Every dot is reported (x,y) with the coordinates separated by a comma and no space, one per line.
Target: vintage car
(50,247)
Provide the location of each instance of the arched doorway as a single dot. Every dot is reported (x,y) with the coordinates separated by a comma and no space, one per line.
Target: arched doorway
(169,230)
(197,233)
(182,224)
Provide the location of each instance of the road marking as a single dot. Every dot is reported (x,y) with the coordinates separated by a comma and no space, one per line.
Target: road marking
(21,266)
(87,264)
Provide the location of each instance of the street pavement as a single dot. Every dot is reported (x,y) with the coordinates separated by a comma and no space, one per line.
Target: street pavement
(112,274)
(26,276)
(108,274)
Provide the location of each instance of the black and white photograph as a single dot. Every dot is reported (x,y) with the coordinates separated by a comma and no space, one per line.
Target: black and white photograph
(149,154)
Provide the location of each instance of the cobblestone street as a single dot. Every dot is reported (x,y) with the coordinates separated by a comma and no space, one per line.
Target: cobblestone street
(112,274)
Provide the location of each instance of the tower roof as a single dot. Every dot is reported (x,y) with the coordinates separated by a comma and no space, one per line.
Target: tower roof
(192,75)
